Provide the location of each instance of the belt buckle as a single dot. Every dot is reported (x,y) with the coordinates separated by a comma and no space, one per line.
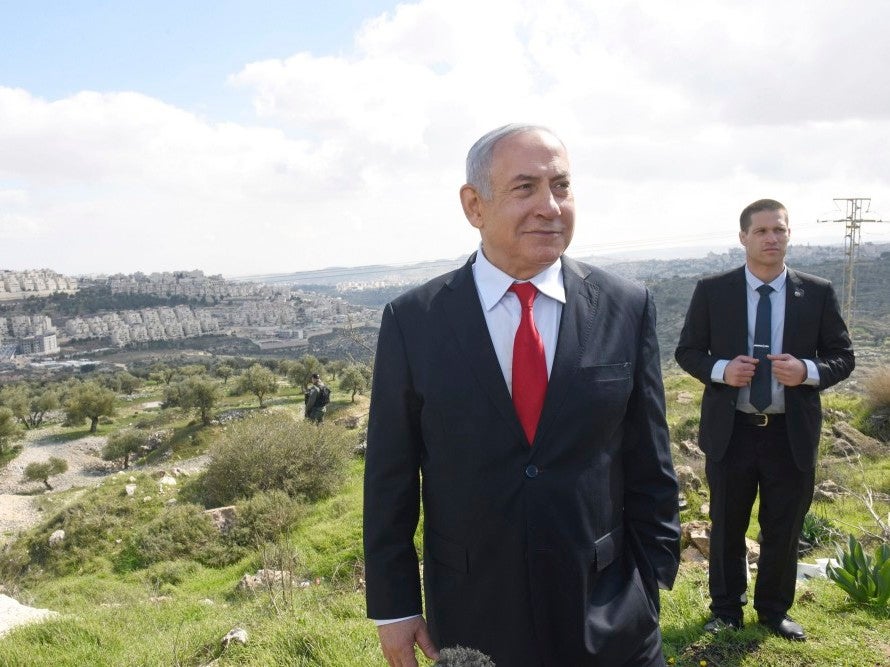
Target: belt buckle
(765,418)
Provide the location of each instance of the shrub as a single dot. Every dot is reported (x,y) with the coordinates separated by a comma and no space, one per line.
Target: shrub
(180,532)
(42,471)
(815,532)
(170,572)
(277,451)
(863,578)
(122,444)
(264,517)
(877,389)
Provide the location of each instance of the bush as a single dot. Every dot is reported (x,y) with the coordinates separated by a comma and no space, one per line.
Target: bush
(264,517)
(863,578)
(170,572)
(877,389)
(816,531)
(122,444)
(42,471)
(269,452)
(180,532)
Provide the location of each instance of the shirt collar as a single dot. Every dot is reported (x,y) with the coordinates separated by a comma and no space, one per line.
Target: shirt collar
(493,283)
(778,283)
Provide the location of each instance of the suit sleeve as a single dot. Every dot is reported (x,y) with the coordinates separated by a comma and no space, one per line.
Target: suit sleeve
(392,481)
(693,351)
(835,359)
(651,492)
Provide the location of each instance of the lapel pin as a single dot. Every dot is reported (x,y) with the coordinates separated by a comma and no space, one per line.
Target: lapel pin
(798,292)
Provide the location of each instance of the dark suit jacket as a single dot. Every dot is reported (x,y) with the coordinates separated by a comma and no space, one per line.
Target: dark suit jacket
(535,555)
(716,327)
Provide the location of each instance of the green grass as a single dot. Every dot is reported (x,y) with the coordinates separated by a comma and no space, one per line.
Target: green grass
(839,633)
(175,613)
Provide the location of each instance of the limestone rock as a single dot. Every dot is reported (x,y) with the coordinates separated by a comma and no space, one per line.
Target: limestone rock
(57,538)
(223,517)
(697,534)
(13,614)
(238,635)
(861,443)
(263,579)
(828,491)
(130,489)
(692,555)
(688,479)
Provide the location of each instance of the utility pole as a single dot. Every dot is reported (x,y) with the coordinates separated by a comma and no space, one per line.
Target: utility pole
(854,208)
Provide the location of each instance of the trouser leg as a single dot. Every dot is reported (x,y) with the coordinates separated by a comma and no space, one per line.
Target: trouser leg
(733,487)
(785,496)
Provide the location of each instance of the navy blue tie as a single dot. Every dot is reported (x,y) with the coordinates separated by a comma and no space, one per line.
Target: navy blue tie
(761,383)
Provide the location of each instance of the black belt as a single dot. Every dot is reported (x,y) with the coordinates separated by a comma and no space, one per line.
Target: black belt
(759,419)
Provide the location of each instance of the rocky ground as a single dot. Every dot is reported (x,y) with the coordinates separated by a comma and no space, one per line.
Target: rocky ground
(18,511)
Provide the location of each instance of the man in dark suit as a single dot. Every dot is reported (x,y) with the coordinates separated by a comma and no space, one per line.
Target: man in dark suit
(764,340)
(549,497)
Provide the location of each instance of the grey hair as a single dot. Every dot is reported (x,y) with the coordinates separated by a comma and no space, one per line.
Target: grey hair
(480,155)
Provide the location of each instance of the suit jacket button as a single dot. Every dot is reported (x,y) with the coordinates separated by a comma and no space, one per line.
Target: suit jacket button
(531,472)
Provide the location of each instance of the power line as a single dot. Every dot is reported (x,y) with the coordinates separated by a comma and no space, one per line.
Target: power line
(854,208)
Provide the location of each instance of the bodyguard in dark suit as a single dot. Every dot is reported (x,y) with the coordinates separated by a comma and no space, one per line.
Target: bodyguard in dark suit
(547,531)
(764,339)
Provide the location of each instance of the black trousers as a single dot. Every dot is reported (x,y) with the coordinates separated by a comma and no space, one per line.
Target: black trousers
(758,458)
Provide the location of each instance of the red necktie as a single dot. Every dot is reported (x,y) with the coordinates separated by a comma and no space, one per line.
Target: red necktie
(529,363)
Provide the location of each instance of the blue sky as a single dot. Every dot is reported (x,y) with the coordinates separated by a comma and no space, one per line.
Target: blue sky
(244,138)
(180,52)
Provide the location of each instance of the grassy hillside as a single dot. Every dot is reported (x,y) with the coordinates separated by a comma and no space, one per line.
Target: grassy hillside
(116,610)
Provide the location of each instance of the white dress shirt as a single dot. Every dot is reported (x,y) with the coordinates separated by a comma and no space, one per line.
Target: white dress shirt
(503,312)
(777,322)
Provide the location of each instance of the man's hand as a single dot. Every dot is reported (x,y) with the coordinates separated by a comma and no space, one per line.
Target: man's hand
(397,641)
(789,371)
(739,371)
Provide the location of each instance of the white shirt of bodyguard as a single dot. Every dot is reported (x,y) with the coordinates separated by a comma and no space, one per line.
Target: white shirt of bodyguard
(777,321)
(503,312)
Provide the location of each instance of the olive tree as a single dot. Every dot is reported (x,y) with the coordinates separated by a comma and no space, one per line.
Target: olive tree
(89,401)
(122,444)
(259,381)
(42,471)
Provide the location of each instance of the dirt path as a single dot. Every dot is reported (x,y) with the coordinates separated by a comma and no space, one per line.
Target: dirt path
(85,469)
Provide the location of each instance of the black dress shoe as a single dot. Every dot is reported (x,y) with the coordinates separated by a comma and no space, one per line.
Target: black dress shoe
(785,628)
(718,623)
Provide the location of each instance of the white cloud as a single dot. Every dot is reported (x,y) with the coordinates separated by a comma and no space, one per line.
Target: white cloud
(676,114)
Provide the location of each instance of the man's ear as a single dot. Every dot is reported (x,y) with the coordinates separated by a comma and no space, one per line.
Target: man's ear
(472,204)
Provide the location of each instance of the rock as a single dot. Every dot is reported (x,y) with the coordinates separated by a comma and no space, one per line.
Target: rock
(688,479)
(690,449)
(841,447)
(130,489)
(753,551)
(235,635)
(828,491)
(157,599)
(697,534)
(264,578)
(692,555)
(57,538)
(179,472)
(861,442)
(682,502)
(684,397)
(167,480)
(705,509)
(13,614)
(223,517)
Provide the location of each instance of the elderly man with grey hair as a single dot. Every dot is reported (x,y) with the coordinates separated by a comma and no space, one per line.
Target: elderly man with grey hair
(519,400)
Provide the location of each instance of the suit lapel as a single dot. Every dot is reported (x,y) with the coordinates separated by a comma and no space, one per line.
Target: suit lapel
(464,316)
(735,312)
(793,309)
(575,326)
